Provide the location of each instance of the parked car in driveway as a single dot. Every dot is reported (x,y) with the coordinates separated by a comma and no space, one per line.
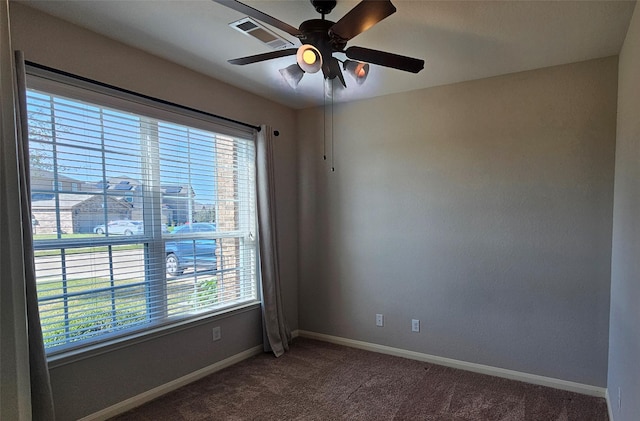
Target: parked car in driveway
(123,227)
(188,246)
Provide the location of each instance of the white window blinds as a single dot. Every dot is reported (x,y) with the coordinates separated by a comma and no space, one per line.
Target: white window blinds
(138,221)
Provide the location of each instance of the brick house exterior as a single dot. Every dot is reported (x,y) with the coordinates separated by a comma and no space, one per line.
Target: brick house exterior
(79,213)
(81,204)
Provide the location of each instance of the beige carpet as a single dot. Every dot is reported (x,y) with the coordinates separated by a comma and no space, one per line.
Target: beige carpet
(321,381)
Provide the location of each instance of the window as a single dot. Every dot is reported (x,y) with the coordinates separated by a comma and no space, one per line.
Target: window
(158,225)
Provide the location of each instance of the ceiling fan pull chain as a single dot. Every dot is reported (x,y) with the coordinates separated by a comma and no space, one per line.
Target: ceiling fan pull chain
(333,168)
(324,126)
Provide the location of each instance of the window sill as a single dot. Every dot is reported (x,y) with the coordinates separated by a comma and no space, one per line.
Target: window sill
(72,356)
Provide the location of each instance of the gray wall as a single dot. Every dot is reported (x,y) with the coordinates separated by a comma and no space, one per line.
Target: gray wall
(483,208)
(624,330)
(88,385)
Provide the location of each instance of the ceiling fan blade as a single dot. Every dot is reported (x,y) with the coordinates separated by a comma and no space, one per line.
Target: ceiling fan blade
(362,17)
(262,17)
(264,56)
(408,64)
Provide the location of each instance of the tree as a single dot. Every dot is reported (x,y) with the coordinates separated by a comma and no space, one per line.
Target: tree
(204,215)
(41,131)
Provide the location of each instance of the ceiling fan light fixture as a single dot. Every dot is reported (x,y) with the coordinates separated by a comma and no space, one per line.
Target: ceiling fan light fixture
(292,74)
(357,70)
(309,58)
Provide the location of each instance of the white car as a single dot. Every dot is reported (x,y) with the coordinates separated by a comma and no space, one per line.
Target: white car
(123,227)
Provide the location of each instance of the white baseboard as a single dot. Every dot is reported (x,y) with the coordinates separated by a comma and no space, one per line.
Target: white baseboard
(463,365)
(609,407)
(156,392)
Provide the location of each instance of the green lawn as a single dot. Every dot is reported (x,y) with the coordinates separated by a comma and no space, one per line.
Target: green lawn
(79,250)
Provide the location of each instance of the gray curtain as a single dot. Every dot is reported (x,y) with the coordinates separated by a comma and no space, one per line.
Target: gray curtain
(26,391)
(15,396)
(276,332)
(41,395)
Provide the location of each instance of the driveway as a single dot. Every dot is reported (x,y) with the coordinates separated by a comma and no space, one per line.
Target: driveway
(127,264)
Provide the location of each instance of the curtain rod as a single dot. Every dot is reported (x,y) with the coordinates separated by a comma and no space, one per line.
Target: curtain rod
(126,91)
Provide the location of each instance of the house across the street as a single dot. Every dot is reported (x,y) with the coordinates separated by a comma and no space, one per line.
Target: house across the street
(84,205)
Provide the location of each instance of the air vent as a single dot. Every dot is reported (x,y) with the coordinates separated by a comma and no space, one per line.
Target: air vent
(252,28)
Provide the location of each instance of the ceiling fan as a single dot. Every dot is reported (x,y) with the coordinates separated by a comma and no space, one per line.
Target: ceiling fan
(321,38)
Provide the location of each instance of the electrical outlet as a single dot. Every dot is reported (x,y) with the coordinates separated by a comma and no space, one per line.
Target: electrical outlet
(415,325)
(217,335)
(379,320)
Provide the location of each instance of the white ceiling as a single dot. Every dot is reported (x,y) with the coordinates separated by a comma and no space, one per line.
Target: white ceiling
(459,40)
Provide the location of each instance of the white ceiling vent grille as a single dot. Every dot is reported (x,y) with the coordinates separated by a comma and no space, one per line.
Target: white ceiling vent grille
(252,28)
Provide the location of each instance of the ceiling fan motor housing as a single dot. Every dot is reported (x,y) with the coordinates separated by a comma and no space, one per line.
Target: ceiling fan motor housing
(316,33)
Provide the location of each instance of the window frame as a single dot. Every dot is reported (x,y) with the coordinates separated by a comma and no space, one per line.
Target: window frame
(110,97)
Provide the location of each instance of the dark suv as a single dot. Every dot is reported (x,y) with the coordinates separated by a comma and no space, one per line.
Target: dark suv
(191,245)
